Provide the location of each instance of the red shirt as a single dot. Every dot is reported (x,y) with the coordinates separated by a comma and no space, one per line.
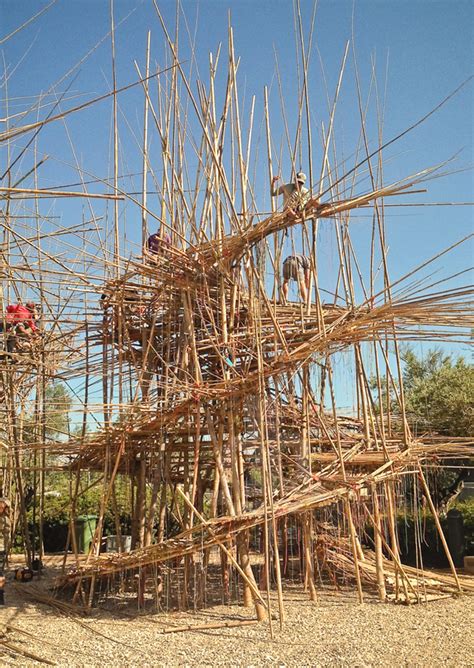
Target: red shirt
(17,313)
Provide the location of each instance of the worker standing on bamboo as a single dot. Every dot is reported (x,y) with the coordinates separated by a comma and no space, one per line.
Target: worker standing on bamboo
(295,195)
(296,267)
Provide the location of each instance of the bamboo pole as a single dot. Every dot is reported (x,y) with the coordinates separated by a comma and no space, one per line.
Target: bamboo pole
(438,526)
(378,546)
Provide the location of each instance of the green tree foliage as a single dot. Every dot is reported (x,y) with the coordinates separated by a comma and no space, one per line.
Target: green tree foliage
(57,404)
(439,395)
(439,392)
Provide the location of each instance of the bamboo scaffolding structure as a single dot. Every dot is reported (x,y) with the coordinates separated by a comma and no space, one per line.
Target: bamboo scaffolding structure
(205,410)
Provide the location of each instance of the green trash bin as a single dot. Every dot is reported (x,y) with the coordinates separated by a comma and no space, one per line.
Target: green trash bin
(85,529)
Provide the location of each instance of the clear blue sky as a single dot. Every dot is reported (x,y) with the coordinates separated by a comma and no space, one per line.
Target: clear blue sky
(422,49)
(426,47)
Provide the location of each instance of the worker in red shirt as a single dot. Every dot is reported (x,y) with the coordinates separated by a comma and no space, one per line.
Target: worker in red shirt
(23,318)
(20,322)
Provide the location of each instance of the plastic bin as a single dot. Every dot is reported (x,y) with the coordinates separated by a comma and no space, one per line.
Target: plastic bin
(112,543)
(85,529)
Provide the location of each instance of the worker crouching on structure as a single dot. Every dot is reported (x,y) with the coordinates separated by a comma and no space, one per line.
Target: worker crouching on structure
(297,268)
(295,195)
(156,245)
(21,327)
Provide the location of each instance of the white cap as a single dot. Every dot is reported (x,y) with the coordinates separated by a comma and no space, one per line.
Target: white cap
(301,177)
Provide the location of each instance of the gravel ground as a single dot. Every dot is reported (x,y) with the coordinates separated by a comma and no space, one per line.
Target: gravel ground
(335,631)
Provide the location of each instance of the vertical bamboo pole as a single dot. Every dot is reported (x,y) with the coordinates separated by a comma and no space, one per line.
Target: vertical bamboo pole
(378,546)
(145,143)
(426,490)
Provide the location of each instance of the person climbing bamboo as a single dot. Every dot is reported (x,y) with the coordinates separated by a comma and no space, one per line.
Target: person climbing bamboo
(156,245)
(295,195)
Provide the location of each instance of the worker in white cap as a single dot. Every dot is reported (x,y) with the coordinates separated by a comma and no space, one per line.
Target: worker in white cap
(295,195)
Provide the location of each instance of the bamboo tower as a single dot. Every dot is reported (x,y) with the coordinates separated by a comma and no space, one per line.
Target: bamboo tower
(218,400)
